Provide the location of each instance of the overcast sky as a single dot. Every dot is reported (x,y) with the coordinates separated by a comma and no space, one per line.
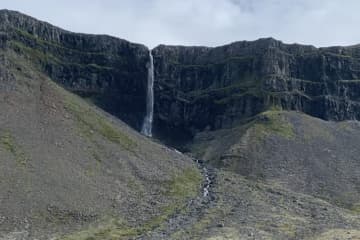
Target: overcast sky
(203,22)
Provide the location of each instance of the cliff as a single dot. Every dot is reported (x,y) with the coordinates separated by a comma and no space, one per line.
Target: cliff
(109,71)
(196,88)
(202,88)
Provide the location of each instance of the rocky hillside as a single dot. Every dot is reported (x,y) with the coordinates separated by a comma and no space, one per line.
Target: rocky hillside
(300,152)
(284,175)
(67,165)
(212,88)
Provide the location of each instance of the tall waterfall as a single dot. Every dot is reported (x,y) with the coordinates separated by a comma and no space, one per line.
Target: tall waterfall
(147,125)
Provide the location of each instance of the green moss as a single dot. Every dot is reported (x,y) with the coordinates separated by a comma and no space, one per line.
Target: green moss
(182,187)
(110,230)
(279,95)
(243,85)
(9,144)
(210,65)
(247,86)
(33,53)
(274,108)
(288,229)
(275,122)
(94,167)
(212,215)
(338,55)
(45,45)
(41,52)
(338,233)
(183,184)
(315,129)
(24,33)
(93,65)
(41,57)
(355,208)
(90,122)
(292,79)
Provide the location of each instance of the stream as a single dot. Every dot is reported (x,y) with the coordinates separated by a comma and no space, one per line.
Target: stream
(193,210)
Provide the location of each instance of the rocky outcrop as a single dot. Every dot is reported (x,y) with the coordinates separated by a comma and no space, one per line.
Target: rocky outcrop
(201,88)
(109,71)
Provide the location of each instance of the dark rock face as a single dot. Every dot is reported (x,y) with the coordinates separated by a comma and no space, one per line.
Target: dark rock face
(196,88)
(200,88)
(110,71)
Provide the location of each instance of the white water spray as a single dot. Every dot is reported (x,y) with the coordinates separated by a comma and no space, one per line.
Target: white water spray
(147,125)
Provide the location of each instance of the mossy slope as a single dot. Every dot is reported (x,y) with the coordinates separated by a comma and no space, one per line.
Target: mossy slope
(67,166)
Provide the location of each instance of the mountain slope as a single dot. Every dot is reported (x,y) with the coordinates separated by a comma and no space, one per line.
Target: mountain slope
(283,175)
(66,164)
(249,209)
(302,153)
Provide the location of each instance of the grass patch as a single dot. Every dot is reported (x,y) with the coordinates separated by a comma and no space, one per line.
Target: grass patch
(183,185)
(110,230)
(94,167)
(43,56)
(227,60)
(59,46)
(288,229)
(9,144)
(274,121)
(57,52)
(181,188)
(242,86)
(355,208)
(335,234)
(90,122)
(33,53)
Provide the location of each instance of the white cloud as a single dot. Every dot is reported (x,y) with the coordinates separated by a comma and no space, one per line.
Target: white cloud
(203,22)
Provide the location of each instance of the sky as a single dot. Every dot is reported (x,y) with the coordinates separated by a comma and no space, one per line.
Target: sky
(203,22)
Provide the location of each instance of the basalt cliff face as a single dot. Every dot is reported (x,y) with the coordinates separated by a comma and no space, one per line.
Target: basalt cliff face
(196,88)
(201,88)
(109,71)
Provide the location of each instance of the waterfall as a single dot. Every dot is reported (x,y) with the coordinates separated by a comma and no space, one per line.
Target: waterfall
(147,125)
